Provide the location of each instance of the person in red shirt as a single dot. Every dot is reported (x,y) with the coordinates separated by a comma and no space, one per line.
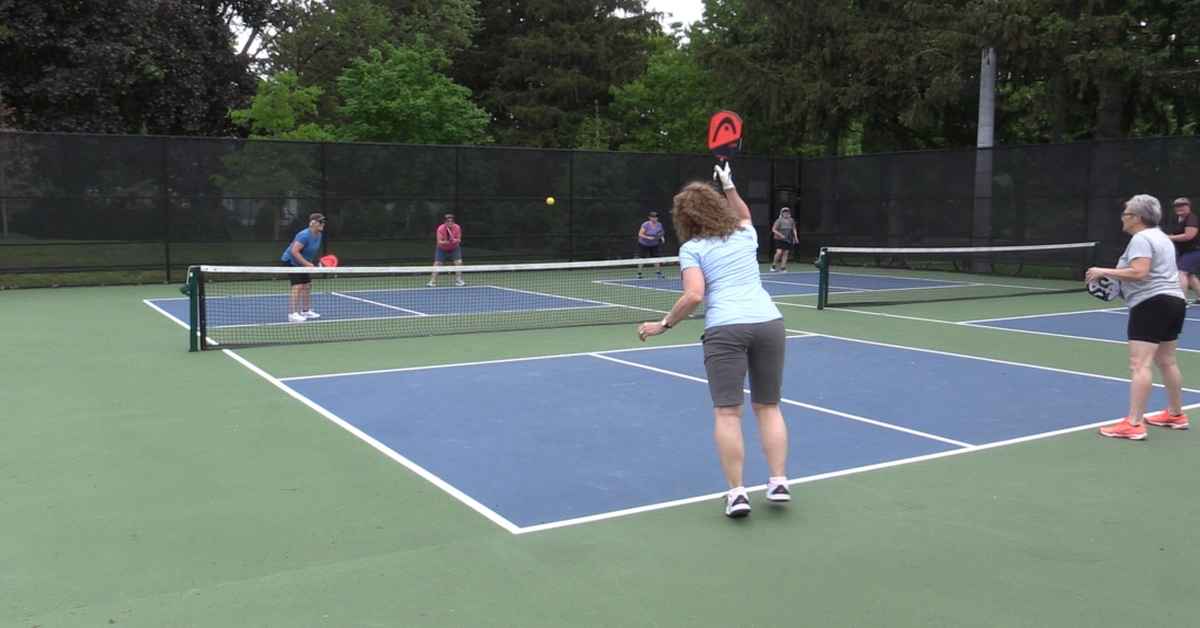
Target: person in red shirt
(449,247)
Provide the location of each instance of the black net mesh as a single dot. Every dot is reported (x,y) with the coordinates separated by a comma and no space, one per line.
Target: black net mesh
(240,306)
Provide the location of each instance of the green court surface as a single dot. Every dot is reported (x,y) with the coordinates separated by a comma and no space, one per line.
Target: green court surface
(141,485)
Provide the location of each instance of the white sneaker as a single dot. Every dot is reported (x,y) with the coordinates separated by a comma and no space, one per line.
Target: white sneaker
(778,493)
(460,282)
(310,314)
(431,284)
(737,505)
(296,317)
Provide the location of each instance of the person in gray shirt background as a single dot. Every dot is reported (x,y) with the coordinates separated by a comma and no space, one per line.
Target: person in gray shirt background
(784,231)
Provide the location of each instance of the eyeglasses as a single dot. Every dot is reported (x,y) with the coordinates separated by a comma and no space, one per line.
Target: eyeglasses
(1123,214)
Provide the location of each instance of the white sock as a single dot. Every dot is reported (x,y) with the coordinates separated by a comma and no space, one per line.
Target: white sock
(737,490)
(777,479)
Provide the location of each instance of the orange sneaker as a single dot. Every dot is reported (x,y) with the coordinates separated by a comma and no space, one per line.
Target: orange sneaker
(1124,429)
(1166,419)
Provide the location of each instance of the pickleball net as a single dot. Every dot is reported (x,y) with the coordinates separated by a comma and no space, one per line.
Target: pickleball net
(239,306)
(866,276)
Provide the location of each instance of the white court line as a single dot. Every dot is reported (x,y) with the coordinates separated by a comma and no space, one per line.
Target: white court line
(818,477)
(598,303)
(172,318)
(619,283)
(390,307)
(330,319)
(166,313)
(983,359)
(791,402)
(1017,318)
(490,514)
(798,334)
(973,324)
(1058,335)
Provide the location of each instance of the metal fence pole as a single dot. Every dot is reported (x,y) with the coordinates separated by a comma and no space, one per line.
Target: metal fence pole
(165,199)
(571,207)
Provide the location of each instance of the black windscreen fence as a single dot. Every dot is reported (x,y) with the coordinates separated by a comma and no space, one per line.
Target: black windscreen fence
(147,207)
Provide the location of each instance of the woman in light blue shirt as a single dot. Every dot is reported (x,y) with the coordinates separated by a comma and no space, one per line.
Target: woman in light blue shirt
(743,330)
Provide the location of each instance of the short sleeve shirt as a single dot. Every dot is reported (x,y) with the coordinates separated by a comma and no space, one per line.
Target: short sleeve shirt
(310,243)
(453,236)
(733,292)
(784,225)
(1163,277)
(654,233)
(1191,220)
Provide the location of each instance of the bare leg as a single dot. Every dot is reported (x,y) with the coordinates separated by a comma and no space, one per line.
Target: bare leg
(1164,358)
(433,277)
(458,264)
(1195,281)
(783,259)
(305,297)
(773,431)
(294,299)
(728,434)
(1141,355)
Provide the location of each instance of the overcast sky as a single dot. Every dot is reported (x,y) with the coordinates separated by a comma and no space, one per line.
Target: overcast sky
(686,11)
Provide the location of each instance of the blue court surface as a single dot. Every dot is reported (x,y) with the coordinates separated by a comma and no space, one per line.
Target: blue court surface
(542,441)
(375,304)
(801,283)
(1108,325)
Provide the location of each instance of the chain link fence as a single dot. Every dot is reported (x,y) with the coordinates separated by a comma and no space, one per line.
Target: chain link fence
(78,209)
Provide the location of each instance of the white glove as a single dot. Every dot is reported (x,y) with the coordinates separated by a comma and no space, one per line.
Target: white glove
(725,175)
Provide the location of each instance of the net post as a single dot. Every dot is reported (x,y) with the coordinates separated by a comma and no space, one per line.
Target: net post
(822,265)
(201,311)
(193,318)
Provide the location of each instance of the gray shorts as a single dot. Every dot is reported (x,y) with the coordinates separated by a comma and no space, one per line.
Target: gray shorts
(730,349)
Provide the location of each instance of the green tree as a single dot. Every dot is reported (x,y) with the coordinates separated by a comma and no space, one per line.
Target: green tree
(132,66)
(318,39)
(282,109)
(540,67)
(400,95)
(667,108)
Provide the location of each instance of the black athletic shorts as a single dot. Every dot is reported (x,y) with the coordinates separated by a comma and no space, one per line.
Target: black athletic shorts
(297,279)
(649,251)
(782,244)
(1157,319)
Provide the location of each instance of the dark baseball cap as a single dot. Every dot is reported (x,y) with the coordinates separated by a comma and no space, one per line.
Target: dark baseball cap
(317,216)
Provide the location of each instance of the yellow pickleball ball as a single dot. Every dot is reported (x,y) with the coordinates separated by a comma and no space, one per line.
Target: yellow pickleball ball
(549,200)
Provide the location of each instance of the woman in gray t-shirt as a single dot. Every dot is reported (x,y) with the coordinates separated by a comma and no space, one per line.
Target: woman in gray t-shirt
(1150,287)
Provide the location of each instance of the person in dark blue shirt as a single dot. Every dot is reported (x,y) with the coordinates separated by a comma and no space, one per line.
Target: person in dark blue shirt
(303,251)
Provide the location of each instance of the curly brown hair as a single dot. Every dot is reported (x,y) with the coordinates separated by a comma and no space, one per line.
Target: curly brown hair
(699,211)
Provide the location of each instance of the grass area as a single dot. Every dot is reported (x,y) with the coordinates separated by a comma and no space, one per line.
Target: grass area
(146,486)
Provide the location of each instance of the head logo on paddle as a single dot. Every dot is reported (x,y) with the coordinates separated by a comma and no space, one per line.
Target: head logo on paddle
(724,134)
(1104,288)
(328,261)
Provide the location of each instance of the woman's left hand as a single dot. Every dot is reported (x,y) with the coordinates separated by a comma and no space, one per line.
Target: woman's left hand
(645,330)
(1094,273)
